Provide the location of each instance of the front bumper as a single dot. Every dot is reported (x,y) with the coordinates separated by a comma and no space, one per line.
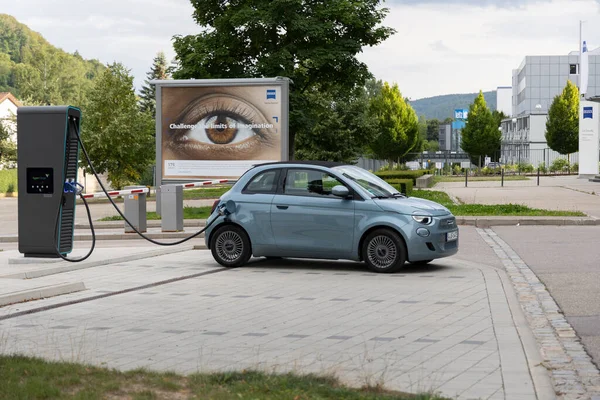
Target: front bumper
(436,243)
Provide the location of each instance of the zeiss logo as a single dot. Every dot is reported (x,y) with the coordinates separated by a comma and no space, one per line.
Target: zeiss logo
(588,112)
(271,94)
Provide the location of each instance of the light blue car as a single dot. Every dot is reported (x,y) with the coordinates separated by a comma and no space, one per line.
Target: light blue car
(326,210)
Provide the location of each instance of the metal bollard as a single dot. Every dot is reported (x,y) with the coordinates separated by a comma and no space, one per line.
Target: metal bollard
(158,210)
(171,205)
(135,210)
(502,169)
(466,175)
(538,179)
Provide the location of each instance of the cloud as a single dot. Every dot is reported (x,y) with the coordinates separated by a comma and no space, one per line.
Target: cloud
(442,48)
(127,31)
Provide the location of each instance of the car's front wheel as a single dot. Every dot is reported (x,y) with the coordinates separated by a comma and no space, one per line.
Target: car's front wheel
(230,246)
(384,251)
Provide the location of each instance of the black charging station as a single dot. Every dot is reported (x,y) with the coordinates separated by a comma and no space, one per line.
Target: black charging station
(48,154)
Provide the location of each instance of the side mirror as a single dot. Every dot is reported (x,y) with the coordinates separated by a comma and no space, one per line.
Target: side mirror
(340,191)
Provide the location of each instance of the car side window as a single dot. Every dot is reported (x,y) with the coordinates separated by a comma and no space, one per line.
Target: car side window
(264,182)
(308,182)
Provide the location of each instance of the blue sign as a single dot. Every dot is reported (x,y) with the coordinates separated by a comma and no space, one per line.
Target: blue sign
(588,112)
(271,94)
(461,113)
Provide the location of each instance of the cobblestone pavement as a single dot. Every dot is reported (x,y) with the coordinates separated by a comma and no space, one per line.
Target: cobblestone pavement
(573,374)
(449,327)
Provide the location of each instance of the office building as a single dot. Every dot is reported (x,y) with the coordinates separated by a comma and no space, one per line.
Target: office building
(534,85)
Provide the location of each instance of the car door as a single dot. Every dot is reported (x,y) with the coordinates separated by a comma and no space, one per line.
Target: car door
(307,219)
(254,208)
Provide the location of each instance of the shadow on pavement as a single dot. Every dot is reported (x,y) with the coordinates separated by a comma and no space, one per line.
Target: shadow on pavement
(336,265)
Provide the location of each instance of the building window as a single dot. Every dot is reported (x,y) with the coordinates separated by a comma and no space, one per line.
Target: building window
(573,69)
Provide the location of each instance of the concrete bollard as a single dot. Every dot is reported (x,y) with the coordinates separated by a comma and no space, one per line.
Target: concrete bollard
(171,204)
(135,210)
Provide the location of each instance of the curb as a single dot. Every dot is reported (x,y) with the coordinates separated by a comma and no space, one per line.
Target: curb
(486,222)
(40,293)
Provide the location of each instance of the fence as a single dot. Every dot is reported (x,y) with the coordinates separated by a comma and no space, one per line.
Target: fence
(536,157)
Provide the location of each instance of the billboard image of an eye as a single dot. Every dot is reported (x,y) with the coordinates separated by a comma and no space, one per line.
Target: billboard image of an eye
(220,131)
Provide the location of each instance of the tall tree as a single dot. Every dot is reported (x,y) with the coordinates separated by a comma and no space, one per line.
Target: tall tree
(480,136)
(338,127)
(117,135)
(313,43)
(159,70)
(433,129)
(562,127)
(397,125)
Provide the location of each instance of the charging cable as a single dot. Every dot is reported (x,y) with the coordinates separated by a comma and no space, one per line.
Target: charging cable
(222,210)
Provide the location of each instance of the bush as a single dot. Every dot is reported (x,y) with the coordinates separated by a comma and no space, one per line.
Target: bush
(8,181)
(386,175)
(525,167)
(402,185)
(559,165)
(575,167)
(542,168)
(456,170)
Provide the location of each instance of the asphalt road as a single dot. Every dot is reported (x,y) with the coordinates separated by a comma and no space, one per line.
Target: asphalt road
(567,261)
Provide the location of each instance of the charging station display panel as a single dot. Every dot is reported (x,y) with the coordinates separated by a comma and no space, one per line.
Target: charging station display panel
(221,130)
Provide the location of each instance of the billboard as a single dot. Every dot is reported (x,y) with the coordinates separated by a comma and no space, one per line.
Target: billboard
(589,131)
(209,129)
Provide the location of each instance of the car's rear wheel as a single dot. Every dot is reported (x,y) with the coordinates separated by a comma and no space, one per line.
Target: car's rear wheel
(384,251)
(230,246)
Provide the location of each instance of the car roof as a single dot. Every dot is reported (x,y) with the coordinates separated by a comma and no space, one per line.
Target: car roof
(327,164)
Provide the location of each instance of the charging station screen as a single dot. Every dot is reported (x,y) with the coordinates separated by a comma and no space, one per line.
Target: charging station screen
(40,180)
(220,131)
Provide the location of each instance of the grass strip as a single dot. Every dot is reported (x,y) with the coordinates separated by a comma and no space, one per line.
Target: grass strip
(188,213)
(33,378)
(486,210)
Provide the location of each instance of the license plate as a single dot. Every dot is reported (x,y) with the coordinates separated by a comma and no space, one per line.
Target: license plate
(450,236)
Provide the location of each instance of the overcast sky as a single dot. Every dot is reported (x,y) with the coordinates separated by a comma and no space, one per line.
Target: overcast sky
(441,46)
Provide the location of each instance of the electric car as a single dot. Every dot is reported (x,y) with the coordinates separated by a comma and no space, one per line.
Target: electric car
(326,210)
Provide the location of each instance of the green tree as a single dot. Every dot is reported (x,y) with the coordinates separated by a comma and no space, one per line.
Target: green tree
(397,125)
(159,70)
(338,127)
(8,148)
(562,127)
(433,129)
(480,136)
(313,43)
(117,135)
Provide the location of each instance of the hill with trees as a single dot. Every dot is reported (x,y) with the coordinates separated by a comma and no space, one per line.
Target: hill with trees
(442,107)
(37,72)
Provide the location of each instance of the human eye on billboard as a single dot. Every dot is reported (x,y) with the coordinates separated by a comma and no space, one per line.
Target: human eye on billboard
(221,126)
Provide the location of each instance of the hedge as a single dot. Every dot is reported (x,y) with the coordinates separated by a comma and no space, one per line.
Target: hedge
(413,175)
(8,181)
(402,185)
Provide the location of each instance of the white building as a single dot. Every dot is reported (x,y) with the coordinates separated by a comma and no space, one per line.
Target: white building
(8,112)
(504,100)
(535,84)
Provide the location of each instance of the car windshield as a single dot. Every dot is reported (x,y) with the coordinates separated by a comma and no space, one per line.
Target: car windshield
(376,186)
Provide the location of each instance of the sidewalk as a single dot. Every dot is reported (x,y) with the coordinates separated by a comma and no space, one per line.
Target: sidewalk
(567,193)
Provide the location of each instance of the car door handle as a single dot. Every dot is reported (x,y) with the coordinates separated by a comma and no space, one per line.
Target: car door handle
(283,207)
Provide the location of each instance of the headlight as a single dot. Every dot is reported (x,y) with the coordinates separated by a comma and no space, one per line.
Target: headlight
(423,219)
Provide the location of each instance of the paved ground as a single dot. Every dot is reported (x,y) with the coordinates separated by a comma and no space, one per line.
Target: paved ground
(447,327)
(554,193)
(567,261)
